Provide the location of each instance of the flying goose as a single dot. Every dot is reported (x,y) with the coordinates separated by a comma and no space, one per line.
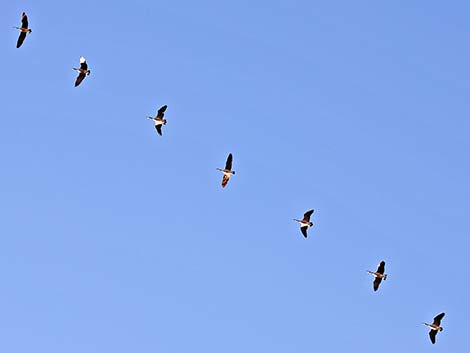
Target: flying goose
(228,172)
(158,120)
(435,327)
(82,71)
(305,223)
(23,29)
(379,275)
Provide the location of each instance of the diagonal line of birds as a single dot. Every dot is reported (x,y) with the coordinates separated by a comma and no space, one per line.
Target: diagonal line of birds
(159,121)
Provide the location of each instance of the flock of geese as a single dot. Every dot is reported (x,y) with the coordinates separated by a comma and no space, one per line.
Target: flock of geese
(159,121)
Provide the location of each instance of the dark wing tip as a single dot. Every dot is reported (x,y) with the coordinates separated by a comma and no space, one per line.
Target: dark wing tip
(304,231)
(159,129)
(377,281)
(161,111)
(438,318)
(307,215)
(24,20)
(381,268)
(79,79)
(21,38)
(228,163)
(432,336)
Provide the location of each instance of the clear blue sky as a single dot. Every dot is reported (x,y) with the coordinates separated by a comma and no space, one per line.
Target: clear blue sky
(114,239)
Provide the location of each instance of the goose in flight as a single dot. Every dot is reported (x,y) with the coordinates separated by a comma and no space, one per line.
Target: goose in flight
(82,71)
(305,222)
(379,275)
(435,327)
(228,172)
(23,29)
(158,120)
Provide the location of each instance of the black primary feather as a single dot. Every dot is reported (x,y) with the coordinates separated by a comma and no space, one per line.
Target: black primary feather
(21,39)
(438,318)
(377,282)
(432,336)
(307,215)
(381,268)
(228,164)
(161,111)
(24,20)
(79,79)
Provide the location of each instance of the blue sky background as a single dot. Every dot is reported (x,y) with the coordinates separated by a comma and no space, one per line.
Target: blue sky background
(114,239)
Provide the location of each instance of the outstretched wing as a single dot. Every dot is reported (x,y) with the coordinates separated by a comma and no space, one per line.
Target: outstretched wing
(304,231)
(438,318)
(161,111)
(21,39)
(225,180)
(377,282)
(228,163)
(79,79)
(159,129)
(24,20)
(307,215)
(432,336)
(381,268)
